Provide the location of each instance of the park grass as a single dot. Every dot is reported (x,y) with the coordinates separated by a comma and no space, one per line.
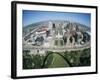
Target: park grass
(58,61)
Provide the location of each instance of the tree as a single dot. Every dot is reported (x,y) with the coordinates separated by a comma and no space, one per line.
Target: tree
(85,59)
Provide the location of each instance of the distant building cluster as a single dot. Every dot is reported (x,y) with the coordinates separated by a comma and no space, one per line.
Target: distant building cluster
(57,34)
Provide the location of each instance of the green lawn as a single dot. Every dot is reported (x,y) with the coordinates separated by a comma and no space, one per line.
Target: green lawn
(58,61)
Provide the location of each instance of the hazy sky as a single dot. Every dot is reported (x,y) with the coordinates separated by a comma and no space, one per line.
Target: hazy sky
(31,16)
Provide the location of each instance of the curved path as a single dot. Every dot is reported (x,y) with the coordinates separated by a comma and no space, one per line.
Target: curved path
(59,55)
(57,49)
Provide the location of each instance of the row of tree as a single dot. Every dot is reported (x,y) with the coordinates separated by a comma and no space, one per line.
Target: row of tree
(73,58)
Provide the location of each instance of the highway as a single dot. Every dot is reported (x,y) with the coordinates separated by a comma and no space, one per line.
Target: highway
(57,49)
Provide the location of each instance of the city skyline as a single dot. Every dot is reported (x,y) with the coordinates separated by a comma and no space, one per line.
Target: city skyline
(31,16)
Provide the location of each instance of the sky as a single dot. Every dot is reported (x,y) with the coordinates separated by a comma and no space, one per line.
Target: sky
(31,16)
